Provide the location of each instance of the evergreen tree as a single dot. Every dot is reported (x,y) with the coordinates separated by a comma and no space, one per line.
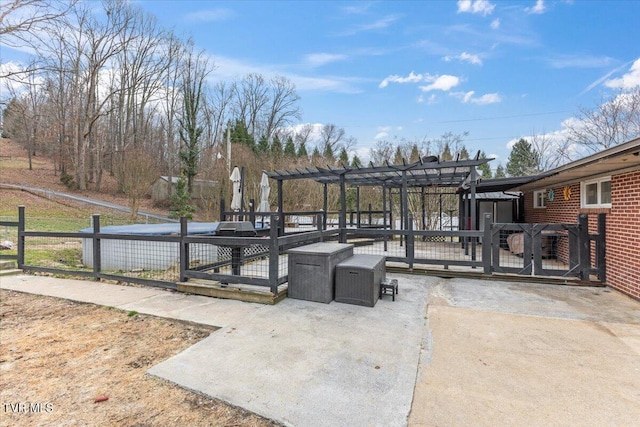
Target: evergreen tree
(328,153)
(316,156)
(356,162)
(290,148)
(302,150)
(415,154)
(500,172)
(276,147)
(464,154)
(240,135)
(263,145)
(397,157)
(181,200)
(484,169)
(523,160)
(446,153)
(343,158)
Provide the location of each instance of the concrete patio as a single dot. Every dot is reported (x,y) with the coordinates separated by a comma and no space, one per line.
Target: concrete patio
(446,352)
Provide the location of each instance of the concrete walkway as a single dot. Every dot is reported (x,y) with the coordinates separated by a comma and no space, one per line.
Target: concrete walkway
(446,352)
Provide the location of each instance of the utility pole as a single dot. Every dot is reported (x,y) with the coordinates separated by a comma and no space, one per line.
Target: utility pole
(228,151)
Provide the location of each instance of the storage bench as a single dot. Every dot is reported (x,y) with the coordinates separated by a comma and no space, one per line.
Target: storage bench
(358,279)
(312,270)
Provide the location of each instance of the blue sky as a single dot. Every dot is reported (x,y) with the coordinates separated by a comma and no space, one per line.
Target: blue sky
(499,70)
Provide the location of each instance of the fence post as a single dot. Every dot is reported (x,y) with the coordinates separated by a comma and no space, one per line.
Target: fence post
(486,243)
(370,216)
(410,250)
(274,255)
(184,250)
(95,220)
(585,246)
(222,209)
(601,248)
(252,212)
(21,227)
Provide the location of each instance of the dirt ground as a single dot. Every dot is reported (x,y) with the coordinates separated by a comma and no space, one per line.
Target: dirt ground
(59,358)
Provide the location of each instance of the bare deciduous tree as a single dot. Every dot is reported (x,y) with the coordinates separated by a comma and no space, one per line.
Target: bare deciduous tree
(252,95)
(283,105)
(196,68)
(139,171)
(331,137)
(614,121)
(552,150)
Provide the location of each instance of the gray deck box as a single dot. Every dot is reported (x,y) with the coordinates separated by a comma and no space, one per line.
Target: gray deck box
(312,270)
(358,279)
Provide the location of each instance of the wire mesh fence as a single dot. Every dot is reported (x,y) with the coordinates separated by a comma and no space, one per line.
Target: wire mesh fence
(52,252)
(56,245)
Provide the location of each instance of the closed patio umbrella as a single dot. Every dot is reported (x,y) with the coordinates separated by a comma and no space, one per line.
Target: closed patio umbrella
(236,199)
(264,194)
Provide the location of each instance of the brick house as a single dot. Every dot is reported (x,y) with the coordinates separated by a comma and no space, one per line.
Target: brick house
(606,182)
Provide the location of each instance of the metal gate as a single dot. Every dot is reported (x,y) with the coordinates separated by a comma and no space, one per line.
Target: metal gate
(548,249)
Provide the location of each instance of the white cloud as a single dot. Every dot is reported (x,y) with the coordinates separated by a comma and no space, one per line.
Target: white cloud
(444,82)
(468,98)
(465,57)
(383,132)
(380,24)
(538,9)
(495,24)
(320,59)
(394,78)
(16,84)
(580,61)
(487,98)
(629,80)
(231,69)
(315,134)
(211,15)
(483,7)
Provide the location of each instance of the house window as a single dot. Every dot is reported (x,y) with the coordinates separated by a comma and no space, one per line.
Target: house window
(596,193)
(540,199)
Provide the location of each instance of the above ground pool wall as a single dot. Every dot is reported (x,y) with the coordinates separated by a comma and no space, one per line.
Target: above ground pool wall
(128,255)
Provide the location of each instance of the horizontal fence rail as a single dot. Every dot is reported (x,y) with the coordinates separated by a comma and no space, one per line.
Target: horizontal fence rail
(165,260)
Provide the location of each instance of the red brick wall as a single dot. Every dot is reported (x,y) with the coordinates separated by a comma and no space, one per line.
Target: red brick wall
(623,227)
(623,234)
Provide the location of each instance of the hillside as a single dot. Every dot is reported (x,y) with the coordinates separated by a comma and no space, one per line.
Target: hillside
(14,169)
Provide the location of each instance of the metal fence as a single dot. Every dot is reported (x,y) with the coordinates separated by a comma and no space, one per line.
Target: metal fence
(567,250)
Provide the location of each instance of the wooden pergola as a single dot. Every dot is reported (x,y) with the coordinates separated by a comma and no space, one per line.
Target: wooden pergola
(428,172)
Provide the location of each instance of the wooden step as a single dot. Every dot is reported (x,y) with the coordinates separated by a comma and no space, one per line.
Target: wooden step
(246,293)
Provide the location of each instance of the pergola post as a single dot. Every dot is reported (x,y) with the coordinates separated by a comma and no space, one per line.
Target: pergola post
(462,218)
(358,218)
(384,215)
(391,224)
(280,208)
(324,206)
(343,209)
(424,210)
(404,200)
(474,226)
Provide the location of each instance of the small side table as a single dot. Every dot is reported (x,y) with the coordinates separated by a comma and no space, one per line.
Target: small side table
(389,285)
